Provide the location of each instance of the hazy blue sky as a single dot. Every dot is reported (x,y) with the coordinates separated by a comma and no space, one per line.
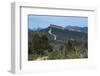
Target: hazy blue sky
(44,21)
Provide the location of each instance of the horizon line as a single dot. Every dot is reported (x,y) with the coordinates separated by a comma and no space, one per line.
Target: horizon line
(56,25)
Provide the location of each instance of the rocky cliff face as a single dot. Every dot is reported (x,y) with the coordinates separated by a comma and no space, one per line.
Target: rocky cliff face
(56,26)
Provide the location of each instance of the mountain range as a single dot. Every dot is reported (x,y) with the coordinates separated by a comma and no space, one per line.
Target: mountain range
(77,28)
(63,33)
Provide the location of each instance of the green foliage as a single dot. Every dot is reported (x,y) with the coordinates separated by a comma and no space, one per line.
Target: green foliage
(30,48)
(73,49)
(54,55)
(77,50)
(69,49)
(73,54)
(39,45)
(33,56)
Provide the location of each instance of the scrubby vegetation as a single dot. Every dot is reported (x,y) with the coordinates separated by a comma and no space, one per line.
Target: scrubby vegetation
(41,46)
